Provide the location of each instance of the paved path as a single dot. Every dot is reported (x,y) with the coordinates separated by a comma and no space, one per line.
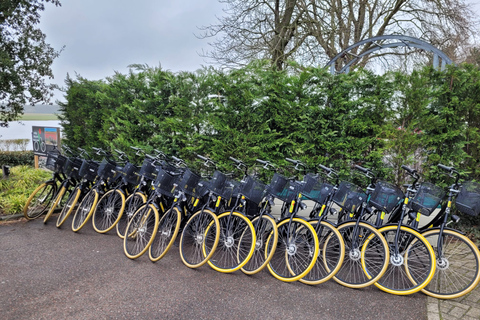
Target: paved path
(463,308)
(50,273)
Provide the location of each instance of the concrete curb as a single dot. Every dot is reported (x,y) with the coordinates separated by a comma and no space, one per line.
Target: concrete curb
(11,217)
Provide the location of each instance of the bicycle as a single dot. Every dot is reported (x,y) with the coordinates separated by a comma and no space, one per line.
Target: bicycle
(111,206)
(457,257)
(71,172)
(108,175)
(331,256)
(410,252)
(237,234)
(40,199)
(250,201)
(139,196)
(296,249)
(365,247)
(88,174)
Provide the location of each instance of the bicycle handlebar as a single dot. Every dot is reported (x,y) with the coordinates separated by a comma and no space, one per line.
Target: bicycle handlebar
(360,168)
(267,165)
(446,168)
(409,170)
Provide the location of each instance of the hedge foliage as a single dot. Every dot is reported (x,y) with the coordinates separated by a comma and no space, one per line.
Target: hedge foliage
(16,158)
(380,121)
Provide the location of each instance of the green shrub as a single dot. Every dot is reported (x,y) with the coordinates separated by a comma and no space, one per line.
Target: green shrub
(16,158)
(15,190)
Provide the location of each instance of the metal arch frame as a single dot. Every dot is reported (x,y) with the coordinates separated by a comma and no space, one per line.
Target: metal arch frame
(404,41)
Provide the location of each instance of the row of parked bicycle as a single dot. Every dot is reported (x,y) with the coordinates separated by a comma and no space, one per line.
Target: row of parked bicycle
(357,236)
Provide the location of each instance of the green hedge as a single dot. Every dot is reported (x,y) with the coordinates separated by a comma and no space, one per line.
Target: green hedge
(16,158)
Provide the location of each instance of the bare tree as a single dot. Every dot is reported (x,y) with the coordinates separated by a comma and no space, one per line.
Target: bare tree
(255,29)
(315,31)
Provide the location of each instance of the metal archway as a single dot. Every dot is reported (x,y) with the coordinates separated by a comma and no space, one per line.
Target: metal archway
(380,43)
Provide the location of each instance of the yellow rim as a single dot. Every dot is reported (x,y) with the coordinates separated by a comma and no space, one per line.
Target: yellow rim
(250,253)
(374,233)
(324,252)
(475,251)
(144,200)
(145,217)
(172,240)
(314,257)
(89,214)
(55,203)
(61,219)
(217,238)
(122,208)
(431,253)
(274,232)
(29,200)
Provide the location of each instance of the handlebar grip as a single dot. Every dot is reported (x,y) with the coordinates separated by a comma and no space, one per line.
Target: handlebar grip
(360,168)
(409,170)
(234,160)
(327,169)
(292,161)
(444,167)
(202,157)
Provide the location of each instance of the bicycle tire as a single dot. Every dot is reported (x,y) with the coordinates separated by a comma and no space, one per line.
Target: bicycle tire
(332,254)
(196,246)
(69,206)
(132,203)
(413,268)
(141,231)
(263,226)
(457,269)
(39,200)
(296,251)
(365,248)
(229,256)
(56,201)
(167,232)
(108,211)
(84,210)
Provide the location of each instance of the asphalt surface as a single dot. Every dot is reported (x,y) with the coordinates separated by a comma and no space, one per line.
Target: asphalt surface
(50,273)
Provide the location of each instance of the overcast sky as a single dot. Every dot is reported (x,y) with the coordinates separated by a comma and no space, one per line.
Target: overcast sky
(104,36)
(101,37)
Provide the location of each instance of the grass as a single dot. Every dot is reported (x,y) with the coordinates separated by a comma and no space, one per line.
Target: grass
(15,190)
(38,117)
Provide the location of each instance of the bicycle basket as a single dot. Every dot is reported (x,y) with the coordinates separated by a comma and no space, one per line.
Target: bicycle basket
(309,181)
(55,162)
(220,185)
(202,188)
(277,186)
(468,200)
(72,167)
(165,182)
(427,198)
(88,170)
(107,169)
(319,192)
(253,189)
(349,196)
(189,182)
(290,192)
(130,174)
(148,169)
(386,196)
